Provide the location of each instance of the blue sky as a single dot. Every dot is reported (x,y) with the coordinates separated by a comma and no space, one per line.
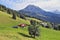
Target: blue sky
(48,5)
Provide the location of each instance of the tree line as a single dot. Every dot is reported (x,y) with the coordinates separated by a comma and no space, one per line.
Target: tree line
(14,13)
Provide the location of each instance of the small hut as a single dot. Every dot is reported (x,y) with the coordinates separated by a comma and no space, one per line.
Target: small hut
(22,25)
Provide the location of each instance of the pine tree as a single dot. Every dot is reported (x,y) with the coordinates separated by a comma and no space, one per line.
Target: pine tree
(22,16)
(33,29)
(14,16)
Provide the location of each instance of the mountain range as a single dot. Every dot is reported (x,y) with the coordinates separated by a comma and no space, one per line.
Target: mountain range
(39,13)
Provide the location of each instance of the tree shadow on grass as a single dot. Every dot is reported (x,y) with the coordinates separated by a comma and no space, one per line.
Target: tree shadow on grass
(25,35)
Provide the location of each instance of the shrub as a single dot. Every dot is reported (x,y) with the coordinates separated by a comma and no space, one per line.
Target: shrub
(14,16)
(58,27)
(33,22)
(22,16)
(33,31)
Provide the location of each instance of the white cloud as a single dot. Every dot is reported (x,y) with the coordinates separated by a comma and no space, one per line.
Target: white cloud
(49,5)
(44,4)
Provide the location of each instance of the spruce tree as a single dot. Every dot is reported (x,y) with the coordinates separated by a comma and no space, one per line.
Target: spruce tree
(14,16)
(33,29)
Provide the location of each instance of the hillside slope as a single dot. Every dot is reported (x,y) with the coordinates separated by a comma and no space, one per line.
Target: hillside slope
(6,20)
(9,33)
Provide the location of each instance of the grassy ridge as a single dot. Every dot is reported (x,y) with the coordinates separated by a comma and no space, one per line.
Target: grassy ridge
(9,33)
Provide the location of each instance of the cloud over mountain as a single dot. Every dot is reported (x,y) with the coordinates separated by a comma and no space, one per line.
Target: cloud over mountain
(20,4)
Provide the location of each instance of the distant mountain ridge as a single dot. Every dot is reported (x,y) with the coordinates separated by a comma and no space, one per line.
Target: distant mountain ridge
(39,13)
(56,11)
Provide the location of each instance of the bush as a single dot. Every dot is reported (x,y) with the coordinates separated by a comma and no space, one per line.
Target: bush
(14,16)
(33,22)
(33,31)
(58,27)
(22,16)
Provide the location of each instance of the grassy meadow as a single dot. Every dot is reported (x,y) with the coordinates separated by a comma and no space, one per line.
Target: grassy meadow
(9,33)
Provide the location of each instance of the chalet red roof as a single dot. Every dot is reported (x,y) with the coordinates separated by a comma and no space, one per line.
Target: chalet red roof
(22,25)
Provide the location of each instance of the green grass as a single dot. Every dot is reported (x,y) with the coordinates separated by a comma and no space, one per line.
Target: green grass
(9,33)
(49,34)
(33,19)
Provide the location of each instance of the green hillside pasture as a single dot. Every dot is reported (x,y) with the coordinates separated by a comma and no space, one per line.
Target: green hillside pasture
(9,33)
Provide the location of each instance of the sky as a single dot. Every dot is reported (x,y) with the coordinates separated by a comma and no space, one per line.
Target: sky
(48,5)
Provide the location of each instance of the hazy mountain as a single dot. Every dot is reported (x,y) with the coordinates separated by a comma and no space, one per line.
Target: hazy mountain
(56,11)
(39,13)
